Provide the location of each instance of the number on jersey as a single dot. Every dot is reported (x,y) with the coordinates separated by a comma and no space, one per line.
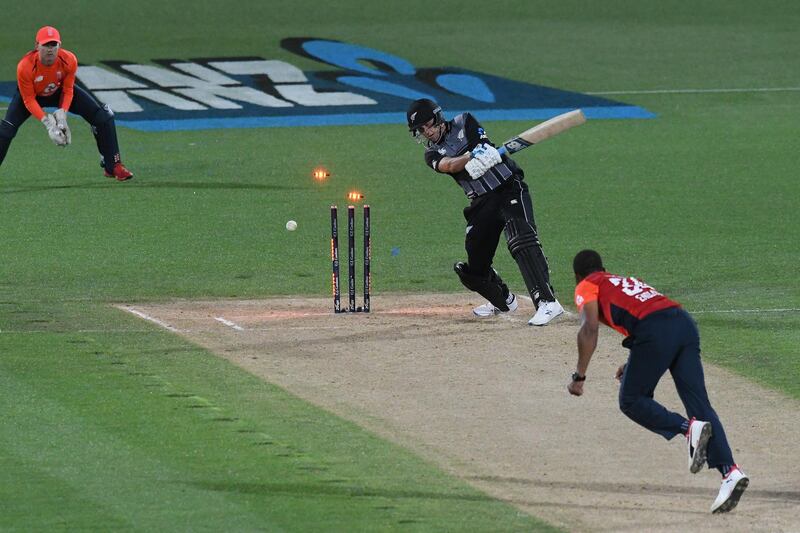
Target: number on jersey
(634,288)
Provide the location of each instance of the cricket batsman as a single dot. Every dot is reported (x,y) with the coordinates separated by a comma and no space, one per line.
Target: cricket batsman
(500,202)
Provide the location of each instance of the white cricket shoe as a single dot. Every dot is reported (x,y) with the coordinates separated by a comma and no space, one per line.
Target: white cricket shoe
(547,311)
(733,486)
(488,310)
(697,442)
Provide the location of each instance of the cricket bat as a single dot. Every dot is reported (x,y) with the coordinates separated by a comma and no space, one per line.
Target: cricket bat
(545,130)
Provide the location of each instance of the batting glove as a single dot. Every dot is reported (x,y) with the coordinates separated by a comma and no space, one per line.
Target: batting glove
(61,121)
(476,168)
(489,155)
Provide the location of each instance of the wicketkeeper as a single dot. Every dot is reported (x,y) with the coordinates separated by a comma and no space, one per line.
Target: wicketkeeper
(499,201)
(46,78)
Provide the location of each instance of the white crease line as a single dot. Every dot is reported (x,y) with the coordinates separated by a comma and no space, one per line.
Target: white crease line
(311,328)
(695,91)
(228,323)
(712,311)
(154,320)
(528,298)
(58,331)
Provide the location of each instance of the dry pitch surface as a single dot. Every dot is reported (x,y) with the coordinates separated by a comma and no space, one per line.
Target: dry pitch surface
(486,400)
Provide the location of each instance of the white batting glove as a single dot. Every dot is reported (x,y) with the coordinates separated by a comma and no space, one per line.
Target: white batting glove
(476,168)
(55,133)
(489,155)
(61,121)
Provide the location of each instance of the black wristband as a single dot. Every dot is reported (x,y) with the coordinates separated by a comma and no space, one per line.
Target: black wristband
(578,377)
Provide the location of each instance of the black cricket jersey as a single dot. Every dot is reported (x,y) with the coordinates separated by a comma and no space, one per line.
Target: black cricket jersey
(463,134)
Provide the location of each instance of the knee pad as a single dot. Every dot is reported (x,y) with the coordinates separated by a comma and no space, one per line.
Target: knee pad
(523,243)
(521,237)
(490,286)
(7,130)
(102,115)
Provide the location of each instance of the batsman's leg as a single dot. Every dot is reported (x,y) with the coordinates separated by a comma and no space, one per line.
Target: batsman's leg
(480,241)
(523,243)
(488,284)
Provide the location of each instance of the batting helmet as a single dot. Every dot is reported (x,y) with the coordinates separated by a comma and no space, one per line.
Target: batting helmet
(421,111)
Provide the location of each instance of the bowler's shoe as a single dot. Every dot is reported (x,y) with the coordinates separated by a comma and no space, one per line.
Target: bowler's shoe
(697,442)
(733,485)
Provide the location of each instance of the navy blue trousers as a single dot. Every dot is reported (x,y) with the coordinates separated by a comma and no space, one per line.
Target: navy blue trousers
(669,340)
(100,118)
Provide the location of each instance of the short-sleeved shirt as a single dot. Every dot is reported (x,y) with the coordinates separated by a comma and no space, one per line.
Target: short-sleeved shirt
(35,79)
(622,301)
(462,135)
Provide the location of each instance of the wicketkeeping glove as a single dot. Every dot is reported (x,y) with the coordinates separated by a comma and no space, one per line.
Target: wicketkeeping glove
(61,121)
(55,133)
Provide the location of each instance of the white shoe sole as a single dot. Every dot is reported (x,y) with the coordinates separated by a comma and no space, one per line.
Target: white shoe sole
(733,499)
(701,450)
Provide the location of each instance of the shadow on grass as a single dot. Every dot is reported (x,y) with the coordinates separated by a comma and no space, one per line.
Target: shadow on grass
(194,185)
(330,488)
(782,496)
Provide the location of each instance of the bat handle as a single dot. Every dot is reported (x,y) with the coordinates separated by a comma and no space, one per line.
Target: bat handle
(502,150)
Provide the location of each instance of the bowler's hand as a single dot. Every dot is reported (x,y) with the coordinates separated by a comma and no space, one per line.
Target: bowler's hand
(575,387)
(620,371)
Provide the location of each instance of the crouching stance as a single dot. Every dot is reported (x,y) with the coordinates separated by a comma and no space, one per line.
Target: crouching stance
(661,336)
(46,78)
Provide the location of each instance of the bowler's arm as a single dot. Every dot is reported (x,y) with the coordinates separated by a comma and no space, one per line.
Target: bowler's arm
(587,335)
(587,343)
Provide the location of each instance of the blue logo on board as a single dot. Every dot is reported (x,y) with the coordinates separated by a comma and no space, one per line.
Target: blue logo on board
(365,86)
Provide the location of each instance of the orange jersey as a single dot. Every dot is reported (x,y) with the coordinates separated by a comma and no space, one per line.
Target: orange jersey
(35,79)
(622,301)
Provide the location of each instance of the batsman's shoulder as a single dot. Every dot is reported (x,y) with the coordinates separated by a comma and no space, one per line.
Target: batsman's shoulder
(469,119)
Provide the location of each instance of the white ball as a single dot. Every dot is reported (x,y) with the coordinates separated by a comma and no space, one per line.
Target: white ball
(291,225)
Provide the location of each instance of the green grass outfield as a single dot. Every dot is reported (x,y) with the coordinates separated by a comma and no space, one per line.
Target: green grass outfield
(113,424)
